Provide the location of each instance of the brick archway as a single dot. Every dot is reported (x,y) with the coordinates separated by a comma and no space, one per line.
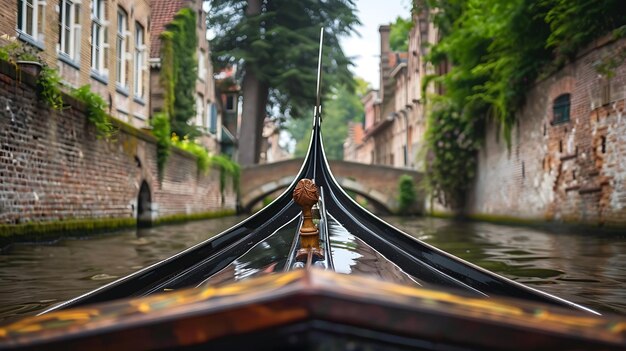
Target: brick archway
(376,183)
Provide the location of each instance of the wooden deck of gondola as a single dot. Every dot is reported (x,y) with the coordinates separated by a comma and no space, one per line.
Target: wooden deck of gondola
(331,305)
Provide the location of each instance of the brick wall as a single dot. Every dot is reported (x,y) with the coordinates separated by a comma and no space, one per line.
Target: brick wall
(53,167)
(573,171)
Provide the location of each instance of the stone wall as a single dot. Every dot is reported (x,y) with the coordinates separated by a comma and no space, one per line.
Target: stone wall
(53,166)
(573,171)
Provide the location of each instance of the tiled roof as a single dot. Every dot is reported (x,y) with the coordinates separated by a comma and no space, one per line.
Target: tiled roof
(162,13)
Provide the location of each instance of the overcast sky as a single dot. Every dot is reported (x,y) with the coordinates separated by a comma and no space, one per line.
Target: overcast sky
(366,49)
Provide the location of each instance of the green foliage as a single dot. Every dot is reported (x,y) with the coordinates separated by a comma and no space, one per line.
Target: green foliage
(96,114)
(452,140)
(399,34)
(179,65)
(342,106)
(497,49)
(281,46)
(49,83)
(201,153)
(17,51)
(575,23)
(228,168)
(160,123)
(406,194)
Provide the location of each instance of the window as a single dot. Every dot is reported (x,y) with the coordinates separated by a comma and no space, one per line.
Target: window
(560,109)
(201,65)
(138,71)
(230,103)
(30,18)
(212,118)
(120,48)
(199,110)
(98,37)
(69,29)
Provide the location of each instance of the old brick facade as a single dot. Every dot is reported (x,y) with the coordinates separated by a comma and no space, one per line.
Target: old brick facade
(395,119)
(572,171)
(53,167)
(125,90)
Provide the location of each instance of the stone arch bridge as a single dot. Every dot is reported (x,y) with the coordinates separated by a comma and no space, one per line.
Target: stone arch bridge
(377,183)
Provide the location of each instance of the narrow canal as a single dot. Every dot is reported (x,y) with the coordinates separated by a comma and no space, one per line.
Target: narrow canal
(587,268)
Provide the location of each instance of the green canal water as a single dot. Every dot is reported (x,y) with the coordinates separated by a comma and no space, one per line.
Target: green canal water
(587,268)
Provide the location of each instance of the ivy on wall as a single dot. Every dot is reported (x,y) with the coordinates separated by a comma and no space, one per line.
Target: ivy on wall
(179,64)
(95,108)
(227,167)
(178,75)
(497,50)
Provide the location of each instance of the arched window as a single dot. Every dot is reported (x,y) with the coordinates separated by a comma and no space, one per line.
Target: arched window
(560,109)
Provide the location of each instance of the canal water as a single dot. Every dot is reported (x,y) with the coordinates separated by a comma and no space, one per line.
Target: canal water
(588,268)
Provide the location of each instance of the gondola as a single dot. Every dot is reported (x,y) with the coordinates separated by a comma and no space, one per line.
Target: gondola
(273,281)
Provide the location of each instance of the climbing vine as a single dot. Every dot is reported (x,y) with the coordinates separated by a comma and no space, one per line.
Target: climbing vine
(161,130)
(179,65)
(497,50)
(227,167)
(96,113)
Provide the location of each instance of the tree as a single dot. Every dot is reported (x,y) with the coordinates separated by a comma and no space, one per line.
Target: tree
(275,45)
(399,34)
(343,106)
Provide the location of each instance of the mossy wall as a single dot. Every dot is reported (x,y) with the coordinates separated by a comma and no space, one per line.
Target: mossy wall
(57,176)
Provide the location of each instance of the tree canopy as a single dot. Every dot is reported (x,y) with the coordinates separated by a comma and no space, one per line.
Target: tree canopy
(399,34)
(274,43)
(342,106)
(281,45)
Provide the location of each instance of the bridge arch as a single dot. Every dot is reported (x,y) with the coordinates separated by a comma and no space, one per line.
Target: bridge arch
(377,183)
(378,200)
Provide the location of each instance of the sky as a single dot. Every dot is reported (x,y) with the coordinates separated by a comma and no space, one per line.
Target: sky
(365,49)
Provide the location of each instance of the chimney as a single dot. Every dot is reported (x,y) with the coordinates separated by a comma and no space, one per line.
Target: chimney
(385,48)
(384,39)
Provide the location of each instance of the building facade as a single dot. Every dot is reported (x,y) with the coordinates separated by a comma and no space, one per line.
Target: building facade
(566,159)
(395,119)
(101,43)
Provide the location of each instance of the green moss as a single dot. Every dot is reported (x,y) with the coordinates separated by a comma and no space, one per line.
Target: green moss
(41,231)
(503,219)
(177,218)
(441,214)
(46,231)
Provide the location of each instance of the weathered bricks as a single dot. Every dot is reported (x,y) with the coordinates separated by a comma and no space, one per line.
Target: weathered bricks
(573,171)
(54,167)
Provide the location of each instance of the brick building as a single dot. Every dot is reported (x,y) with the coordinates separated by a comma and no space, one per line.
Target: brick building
(209,109)
(101,43)
(394,115)
(566,160)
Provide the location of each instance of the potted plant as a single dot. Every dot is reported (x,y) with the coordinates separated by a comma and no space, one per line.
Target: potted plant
(24,57)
